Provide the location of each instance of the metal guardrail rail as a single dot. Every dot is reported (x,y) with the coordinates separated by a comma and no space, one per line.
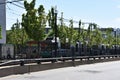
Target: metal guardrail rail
(22,62)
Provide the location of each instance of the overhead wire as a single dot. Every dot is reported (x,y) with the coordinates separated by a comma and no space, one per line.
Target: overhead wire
(18,1)
(18,5)
(12,11)
(10,1)
(15,13)
(8,8)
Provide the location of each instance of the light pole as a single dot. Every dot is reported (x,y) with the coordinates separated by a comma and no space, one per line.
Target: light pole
(55,25)
(115,40)
(79,32)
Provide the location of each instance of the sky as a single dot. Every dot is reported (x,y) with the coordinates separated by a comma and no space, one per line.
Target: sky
(105,13)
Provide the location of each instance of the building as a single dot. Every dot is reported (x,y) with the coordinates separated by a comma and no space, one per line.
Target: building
(3,21)
(104,34)
(117,32)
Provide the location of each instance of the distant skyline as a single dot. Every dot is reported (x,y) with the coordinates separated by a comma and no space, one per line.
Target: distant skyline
(105,13)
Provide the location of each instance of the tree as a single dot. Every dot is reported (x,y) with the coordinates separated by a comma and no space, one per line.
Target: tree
(93,34)
(110,39)
(71,32)
(16,35)
(82,33)
(34,21)
(62,34)
(52,20)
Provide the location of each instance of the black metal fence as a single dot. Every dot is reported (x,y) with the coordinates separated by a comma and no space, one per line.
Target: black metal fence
(32,52)
(28,52)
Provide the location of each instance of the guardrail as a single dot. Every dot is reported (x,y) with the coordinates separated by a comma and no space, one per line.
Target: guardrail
(22,62)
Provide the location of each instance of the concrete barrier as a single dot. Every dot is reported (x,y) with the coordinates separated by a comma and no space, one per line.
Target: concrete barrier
(40,67)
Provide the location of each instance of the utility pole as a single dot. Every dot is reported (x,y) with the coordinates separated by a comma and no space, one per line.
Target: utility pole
(55,32)
(115,42)
(79,32)
(61,19)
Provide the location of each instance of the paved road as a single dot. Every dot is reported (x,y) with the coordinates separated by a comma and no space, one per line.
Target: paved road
(98,71)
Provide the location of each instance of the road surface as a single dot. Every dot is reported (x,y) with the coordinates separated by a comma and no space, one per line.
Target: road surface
(98,71)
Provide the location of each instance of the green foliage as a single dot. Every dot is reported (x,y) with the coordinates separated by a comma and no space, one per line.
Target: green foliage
(17,34)
(34,21)
(94,35)
(51,19)
(109,37)
(62,33)
(49,34)
(71,32)
(62,30)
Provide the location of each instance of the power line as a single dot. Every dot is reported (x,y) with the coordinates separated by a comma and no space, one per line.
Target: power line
(11,1)
(15,14)
(66,20)
(18,5)
(8,8)
(12,11)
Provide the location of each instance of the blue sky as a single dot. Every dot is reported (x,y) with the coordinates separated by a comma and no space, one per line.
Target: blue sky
(105,13)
